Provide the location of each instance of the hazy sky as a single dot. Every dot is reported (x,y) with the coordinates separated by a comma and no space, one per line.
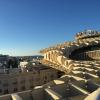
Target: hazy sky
(27,26)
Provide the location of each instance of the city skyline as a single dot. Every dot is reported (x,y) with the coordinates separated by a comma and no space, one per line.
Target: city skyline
(27,26)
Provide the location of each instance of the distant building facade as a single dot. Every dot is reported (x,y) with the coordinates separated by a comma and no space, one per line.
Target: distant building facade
(16,82)
(16,76)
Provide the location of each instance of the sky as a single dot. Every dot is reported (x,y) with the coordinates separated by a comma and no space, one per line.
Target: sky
(27,26)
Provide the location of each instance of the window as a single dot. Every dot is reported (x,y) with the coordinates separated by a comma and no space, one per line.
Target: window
(45,81)
(6,91)
(31,87)
(14,83)
(45,77)
(15,90)
(5,84)
(23,88)
(0,90)
(52,76)
(22,81)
